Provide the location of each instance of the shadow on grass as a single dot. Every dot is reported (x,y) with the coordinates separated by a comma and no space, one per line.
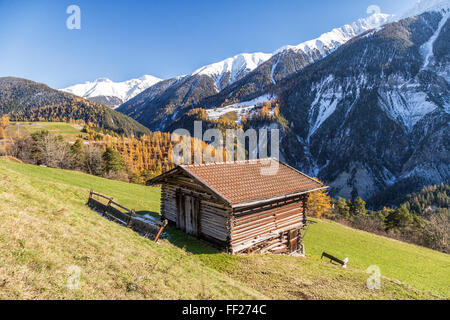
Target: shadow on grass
(206,253)
(202,250)
(181,239)
(188,243)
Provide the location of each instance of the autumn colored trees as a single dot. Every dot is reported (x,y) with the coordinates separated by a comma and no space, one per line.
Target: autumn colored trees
(4,123)
(51,150)
(142,158)
(423,219)
(319,204)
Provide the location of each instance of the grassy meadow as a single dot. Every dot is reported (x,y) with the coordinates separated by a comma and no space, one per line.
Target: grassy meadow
(46,228)
(70,132)
(421,267)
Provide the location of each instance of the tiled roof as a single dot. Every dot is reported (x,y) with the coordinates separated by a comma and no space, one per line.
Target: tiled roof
(255,180)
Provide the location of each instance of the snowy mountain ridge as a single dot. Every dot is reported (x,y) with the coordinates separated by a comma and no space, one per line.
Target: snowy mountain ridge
(319,47)
(234,67)
(314,49)
(339,36)
(104,87)
(228,71)
(422,6)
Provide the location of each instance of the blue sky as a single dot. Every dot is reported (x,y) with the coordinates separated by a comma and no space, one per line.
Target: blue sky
(124,39)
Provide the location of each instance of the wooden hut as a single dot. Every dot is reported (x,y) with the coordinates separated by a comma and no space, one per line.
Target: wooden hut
(240,207)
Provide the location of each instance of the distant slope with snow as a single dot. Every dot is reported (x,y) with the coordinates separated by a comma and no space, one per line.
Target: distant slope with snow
(339,36)
(112,93)
(290,59)
(422,6)
(232,69)
(241,108)
(374,113)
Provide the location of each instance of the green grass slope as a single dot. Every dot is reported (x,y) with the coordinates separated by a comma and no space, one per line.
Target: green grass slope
(70,132)
(46,227)
(421,267)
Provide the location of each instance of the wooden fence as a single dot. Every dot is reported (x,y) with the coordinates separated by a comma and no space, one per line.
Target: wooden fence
(147,227)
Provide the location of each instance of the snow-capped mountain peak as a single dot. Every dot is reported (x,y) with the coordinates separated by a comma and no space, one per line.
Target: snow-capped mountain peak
(228,71)
(102,80)
(234,68)
(339,36)
(112,93)
(422,6)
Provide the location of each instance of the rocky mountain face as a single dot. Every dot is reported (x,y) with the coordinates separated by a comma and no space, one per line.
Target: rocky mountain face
(25,100)
(162,108)
(112,93)
(290,59)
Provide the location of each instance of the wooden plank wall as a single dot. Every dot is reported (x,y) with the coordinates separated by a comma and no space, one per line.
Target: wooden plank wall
(214,216)
(272,228)
(214,221)
(169,202)
(277,219)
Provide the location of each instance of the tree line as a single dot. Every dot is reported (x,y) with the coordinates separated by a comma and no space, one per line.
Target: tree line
(99,152)
(45,149)
(4,123)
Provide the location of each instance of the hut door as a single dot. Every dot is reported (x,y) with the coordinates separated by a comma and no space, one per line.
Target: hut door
(192,208)
(188,208)
(181,213)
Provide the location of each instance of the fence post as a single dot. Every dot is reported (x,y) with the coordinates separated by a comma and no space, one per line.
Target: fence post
(107,206)
(161,230)
(130,220)
(90,196)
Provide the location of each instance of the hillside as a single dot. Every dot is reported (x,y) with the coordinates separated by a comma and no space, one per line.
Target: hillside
(25,100)
(46,227)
